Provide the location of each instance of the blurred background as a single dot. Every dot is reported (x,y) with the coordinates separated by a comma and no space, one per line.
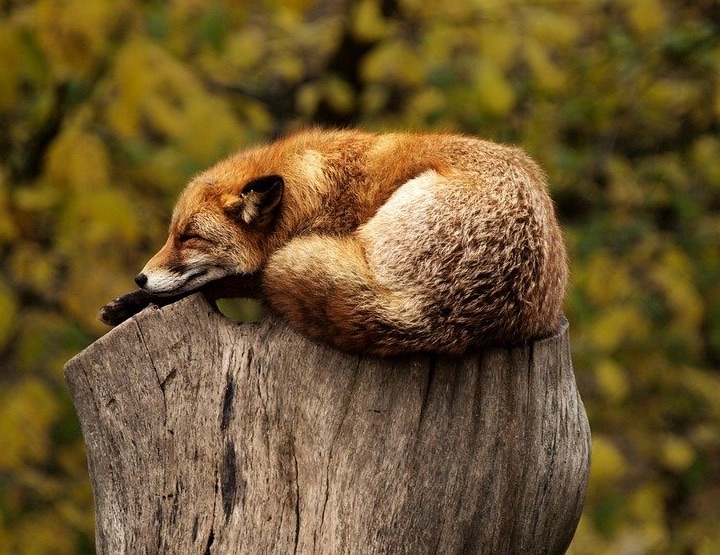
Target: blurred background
(107,107)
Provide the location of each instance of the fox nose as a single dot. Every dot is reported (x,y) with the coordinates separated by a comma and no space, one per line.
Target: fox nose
(141,279)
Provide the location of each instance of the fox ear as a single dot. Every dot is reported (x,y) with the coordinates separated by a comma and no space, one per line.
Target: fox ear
(257,201)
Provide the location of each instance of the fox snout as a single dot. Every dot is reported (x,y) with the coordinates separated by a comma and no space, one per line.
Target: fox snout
(163,281)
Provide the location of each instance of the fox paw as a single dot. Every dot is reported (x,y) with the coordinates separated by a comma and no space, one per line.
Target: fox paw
(120,309)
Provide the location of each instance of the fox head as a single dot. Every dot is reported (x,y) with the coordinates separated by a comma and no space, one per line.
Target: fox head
(215,232)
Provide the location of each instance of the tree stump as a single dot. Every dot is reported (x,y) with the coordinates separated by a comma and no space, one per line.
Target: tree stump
(206,436)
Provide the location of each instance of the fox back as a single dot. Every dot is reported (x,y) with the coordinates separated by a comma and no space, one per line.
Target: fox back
(380,243)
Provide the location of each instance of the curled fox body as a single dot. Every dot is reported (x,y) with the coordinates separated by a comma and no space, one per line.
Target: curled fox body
(374,243)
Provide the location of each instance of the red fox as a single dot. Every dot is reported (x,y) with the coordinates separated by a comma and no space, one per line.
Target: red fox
(375,243)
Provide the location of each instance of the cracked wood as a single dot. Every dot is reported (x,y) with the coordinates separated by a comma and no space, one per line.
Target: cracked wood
(205,436)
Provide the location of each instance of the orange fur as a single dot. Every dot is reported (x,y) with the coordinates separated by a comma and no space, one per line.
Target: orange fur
(377,243)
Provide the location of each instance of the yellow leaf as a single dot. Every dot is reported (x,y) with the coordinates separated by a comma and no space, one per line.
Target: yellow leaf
(672,96)
(78,160)
(241,310)
(549,75)
(10,67)
(671,275)
(8,309)
(8,229)
(706,386)
(647,17)
(153,97)
(498,45)
(617,325)
(708,546)
(245,48)
(608,463)
(426,102)
(374,98)
(393,62)
(647,506)
(42,531)
(495,94)
(98,220)
(612,380)
(27,410)
(368,22)
(706,158)
(308,98)
(716,103)
(677,453)
(624,187)
(258,119)
(553,27)
(339,95)
(35,268)
(74,33)
(607,280)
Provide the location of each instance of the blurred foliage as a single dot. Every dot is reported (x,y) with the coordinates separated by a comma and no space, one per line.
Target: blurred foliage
(108,106)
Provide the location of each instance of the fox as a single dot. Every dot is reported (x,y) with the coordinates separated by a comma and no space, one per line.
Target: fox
(374,243)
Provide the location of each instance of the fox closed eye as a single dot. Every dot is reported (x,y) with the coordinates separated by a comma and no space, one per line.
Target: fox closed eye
(185,237)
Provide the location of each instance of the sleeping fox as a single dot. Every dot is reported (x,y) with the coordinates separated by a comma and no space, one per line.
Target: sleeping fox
(375,243)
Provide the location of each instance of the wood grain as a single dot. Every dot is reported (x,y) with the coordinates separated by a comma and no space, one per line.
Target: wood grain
(206,436)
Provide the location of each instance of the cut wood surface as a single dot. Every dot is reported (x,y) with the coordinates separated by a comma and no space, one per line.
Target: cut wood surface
(207,436)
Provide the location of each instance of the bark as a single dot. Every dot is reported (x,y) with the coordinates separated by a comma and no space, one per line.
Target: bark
(206,436)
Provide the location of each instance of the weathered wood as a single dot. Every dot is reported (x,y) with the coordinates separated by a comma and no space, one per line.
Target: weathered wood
(206,436)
